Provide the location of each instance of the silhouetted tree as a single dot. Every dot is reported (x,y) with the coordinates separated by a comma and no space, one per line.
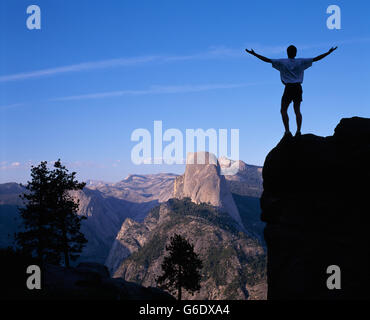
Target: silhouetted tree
(37,238)
(51,223)
(66,222)
(181,268)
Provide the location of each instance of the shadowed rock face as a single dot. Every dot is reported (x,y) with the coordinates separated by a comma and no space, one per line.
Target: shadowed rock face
(315,204)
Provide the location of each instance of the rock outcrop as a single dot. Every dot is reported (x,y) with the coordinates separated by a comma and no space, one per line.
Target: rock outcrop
(129,239)
(316,206)
(202,182)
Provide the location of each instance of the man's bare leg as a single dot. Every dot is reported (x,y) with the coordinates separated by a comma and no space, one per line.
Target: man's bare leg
(298,115)
(284,115)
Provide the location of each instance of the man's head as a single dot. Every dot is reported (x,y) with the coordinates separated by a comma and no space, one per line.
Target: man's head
(291,51)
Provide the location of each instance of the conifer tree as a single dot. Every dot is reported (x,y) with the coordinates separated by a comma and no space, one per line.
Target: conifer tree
(51,224)
(67,223)
(37,237)
(181,268)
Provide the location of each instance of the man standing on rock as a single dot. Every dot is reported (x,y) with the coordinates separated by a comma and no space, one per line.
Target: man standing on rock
(291,74)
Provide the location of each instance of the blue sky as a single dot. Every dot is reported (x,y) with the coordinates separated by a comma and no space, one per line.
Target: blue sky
(97,70)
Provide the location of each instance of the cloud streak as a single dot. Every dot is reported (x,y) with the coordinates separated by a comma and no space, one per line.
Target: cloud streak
(79,67)
(5,165)
(215,52)
(10,106)
(156,90)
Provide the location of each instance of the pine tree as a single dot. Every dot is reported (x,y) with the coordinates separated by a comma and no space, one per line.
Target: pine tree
(181,268)
(66,222)
(37,238)
(51,223)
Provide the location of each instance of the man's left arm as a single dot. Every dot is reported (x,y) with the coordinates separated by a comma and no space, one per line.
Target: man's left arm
(321,56)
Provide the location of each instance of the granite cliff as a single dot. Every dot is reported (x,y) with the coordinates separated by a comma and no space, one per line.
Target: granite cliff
(202,182)
(316,206)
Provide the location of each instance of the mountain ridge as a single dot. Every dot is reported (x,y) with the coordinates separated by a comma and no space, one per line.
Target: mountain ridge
(105,204)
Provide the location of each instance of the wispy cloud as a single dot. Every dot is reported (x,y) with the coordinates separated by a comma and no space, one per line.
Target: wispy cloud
(156,90)
(84,164)
(10,106)
(11,165)
(213,52)
(78,67)
(5,165)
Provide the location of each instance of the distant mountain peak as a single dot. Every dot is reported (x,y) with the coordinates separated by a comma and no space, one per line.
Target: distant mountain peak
(132,177)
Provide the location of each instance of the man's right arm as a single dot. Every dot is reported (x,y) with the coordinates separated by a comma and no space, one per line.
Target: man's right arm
(258,56)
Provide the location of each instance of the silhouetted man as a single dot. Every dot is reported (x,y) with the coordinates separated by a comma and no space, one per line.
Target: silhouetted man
(291,74)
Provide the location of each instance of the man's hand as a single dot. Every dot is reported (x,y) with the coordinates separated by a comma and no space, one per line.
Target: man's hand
(251,51)
(332,49)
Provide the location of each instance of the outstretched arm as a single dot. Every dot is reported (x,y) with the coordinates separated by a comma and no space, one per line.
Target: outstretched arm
(321,56)
(258,55)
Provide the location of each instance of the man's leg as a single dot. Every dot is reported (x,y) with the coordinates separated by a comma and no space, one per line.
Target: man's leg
(298,115)
(284,114)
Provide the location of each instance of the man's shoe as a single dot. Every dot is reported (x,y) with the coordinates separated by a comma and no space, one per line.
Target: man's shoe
(298,134)
(288,134)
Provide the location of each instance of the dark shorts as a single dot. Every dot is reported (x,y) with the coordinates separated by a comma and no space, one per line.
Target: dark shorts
(293,92)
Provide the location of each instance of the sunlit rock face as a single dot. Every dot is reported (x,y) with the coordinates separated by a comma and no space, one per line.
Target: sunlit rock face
(203,182)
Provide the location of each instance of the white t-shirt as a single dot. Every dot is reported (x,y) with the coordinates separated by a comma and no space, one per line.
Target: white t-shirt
(291,70)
